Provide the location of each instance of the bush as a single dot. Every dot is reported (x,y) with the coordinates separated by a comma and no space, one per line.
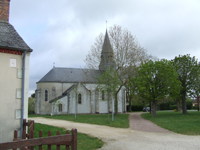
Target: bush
(169,105)
(172,107)
(31,105)
(189,104)
(135,108)
(195,107)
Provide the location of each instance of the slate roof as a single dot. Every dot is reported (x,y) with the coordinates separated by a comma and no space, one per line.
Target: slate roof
(107,55)
(10,39)
(71,75)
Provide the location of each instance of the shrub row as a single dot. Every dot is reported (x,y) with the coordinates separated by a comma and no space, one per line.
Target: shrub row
(169,105)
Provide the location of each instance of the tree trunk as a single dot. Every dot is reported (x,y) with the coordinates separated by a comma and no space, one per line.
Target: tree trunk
(198,103)
(184,105)
(116,104)
(150,107)
(178,105)
(108,110)
(154,108)
(130,103)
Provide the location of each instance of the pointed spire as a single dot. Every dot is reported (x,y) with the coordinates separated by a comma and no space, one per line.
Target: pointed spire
(106,55)
(106,45)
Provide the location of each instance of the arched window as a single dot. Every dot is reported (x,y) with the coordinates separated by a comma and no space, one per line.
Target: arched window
(46,95)
(60,108)
(79,99)
(102,95)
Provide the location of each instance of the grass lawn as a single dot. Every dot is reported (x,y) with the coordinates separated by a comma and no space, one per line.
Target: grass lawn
(84,142)
(177,122)
(120,121)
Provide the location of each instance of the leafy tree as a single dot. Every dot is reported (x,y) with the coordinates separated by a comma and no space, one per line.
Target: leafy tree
(196,85)
(127,55)
(108,82)
(156,80)
(31,105)
(131,89)
(187,69)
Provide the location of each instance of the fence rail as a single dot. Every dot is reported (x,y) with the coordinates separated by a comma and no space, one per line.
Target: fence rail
(28,141)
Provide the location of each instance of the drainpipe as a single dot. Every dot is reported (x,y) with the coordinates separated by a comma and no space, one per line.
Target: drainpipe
(23,89)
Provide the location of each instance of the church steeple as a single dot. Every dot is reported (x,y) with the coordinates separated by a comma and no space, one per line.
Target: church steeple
(107,60)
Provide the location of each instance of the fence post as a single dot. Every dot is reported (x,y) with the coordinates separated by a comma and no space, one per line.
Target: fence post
(74,139)
(24,124)
(40,135)
(15,137)
(49,146)
(58,146)
(31,135)
(67,146)
(24,134)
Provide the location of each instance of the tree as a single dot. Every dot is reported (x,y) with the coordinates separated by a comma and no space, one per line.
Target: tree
(127,55)
(196,85)
(108,82)
(31,105)
(156,80)
(187,70)
(131,89)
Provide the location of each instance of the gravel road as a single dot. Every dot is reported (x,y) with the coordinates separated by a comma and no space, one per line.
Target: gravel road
(141,135)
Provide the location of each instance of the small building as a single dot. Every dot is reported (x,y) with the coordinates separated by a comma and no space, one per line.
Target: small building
(14,81)
(75,90)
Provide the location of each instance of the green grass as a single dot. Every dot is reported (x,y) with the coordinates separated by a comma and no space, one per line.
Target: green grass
(188,124)
(120,121)
(84,142)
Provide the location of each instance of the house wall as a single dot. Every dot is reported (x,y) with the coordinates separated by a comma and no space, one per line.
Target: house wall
(10,94)
(42,106)
(91,99)
(74,106)
(64,103)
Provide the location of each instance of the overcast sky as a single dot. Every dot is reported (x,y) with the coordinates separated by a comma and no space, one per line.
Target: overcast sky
(63,31)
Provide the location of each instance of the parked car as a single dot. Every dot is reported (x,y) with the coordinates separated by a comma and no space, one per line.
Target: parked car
(146,109)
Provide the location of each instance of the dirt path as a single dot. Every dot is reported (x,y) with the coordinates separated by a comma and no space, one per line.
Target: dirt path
(129,139)
(141,124)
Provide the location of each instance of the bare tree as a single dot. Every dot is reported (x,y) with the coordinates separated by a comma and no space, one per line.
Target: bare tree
(128,54)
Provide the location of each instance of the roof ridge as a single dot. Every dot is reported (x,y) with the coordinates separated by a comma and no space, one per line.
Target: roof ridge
(10,38)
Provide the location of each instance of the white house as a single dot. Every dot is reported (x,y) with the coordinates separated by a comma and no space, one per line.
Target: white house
(14,76)
(75,90)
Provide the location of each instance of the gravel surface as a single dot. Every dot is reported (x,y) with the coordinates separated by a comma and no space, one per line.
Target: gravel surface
(141,135)
(141,124)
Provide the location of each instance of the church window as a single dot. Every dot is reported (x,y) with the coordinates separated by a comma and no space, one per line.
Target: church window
(79,99)
(46,95)
(60,108)
(103,95)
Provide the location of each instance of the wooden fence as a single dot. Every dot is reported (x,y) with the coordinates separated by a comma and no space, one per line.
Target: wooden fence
(28,142)
(30,125)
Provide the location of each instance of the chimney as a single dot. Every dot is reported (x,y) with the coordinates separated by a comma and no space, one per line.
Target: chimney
(4,10)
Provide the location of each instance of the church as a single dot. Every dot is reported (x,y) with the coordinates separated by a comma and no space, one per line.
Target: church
(75,90)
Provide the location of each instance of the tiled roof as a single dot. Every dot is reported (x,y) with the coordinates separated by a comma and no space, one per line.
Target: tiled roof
(10,39)
(71,75)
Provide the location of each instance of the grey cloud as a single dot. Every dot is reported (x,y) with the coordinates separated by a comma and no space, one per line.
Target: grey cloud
(63,31)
